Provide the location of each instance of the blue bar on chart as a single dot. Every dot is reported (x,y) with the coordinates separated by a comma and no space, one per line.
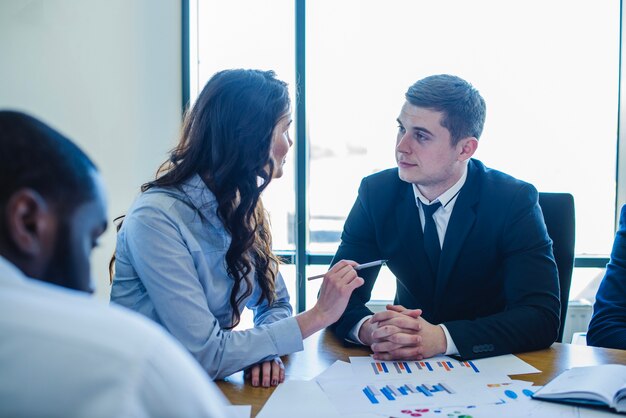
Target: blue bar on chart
(387,394)
(370,395)
(469,364)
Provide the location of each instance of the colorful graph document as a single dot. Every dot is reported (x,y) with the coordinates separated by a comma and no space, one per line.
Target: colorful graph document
(388,396)
(525,409)
(440,366)
(366,366)
(455,390)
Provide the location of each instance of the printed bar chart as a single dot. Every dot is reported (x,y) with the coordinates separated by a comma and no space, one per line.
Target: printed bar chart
(402,367)
(367,366)
(392,392)
(398,367)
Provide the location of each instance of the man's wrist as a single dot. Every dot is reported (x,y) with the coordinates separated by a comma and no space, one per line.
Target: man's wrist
(450,347)
(365,332)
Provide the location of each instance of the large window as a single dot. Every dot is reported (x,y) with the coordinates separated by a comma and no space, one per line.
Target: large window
(250,34)
(548,71)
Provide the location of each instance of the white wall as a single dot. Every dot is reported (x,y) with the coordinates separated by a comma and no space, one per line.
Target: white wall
(107,73)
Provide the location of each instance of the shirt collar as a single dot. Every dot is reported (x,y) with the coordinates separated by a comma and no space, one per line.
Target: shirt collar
(445,197)
(198,194)
(10,272)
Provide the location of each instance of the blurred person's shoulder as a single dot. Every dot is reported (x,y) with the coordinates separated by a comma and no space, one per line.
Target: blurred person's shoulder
(71,354)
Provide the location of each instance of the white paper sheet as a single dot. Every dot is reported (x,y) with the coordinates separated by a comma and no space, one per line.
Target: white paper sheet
(508,364)
(239,411)
(336,371)
(298,398)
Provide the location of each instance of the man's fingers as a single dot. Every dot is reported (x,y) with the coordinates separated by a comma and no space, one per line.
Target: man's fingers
(392,313)
(384,315)
(401,309)
(396,308)
(404,322)
(382,333)
(401,353)
(414,313)
(384,347)
(395,341)
(404,339)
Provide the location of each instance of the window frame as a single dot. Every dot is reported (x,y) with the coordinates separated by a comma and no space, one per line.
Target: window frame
(301,257)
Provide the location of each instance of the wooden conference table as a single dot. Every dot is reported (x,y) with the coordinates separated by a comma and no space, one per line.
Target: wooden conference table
(323,349)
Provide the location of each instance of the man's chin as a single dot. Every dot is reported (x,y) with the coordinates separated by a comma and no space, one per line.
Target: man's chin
(404,176)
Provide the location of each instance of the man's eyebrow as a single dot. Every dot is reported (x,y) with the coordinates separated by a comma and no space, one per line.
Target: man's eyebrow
(416,128)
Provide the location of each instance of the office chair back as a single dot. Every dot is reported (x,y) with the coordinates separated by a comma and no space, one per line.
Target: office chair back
(559,215)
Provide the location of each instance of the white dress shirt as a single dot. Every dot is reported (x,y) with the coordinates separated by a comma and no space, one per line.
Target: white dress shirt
(64,354)
(441,218)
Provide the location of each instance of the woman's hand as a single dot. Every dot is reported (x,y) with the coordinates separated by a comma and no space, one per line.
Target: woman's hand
(267,373)
(339,283)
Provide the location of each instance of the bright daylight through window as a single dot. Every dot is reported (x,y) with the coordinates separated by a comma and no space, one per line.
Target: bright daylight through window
(547,70)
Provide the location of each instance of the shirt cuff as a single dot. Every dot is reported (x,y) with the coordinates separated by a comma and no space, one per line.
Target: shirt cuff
(353,335)
(286,336)
(451,349)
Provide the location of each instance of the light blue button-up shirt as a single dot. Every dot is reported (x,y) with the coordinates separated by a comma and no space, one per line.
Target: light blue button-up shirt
(170,266)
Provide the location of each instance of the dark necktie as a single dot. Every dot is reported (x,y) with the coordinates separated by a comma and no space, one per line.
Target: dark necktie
(431,239)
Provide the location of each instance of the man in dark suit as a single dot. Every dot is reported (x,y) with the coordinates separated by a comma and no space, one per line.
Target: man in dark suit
(476,276)
(608,323)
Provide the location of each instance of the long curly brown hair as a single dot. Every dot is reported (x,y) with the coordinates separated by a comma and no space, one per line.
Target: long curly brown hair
(227,139)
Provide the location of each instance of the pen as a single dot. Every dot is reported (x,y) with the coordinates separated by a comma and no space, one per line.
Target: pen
(359,267)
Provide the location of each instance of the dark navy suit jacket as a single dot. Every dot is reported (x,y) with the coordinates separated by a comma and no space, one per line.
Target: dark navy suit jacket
(496,290)
(608,324)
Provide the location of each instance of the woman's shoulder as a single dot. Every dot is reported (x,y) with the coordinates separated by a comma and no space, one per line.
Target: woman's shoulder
(159,203)
(188,203)
(158,200)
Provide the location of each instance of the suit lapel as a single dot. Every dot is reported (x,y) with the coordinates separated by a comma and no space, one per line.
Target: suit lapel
(461,222)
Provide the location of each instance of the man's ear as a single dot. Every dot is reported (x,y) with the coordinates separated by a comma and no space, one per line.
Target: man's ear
(467,147)
(30,224)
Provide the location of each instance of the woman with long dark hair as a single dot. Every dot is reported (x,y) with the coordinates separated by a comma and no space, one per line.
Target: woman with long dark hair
(195,247)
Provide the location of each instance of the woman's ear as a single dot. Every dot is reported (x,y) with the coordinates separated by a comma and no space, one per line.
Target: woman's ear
(31,225)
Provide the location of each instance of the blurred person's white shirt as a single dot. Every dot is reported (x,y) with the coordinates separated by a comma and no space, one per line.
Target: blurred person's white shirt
(63,354)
